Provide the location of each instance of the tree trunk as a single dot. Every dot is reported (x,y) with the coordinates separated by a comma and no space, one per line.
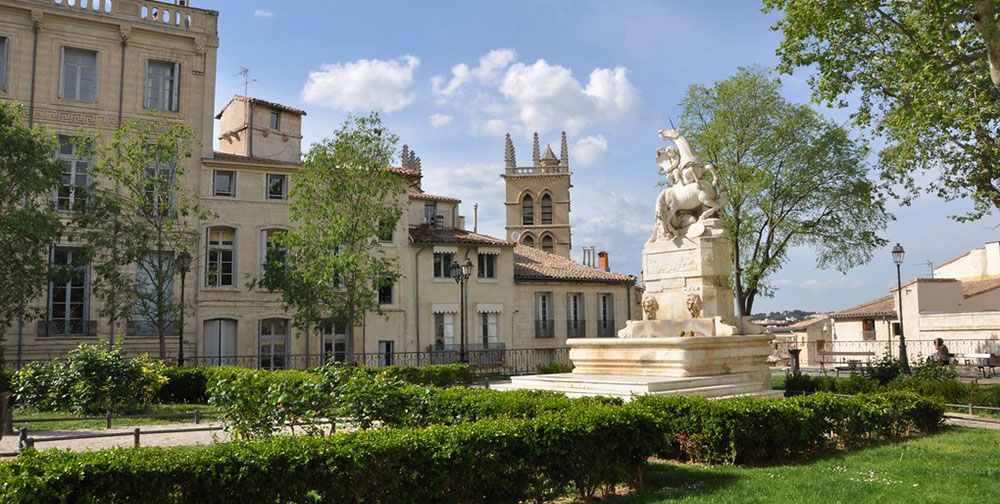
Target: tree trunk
(349,340)
(986,23)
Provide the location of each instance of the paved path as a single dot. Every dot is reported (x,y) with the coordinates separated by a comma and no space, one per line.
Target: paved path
(967,420)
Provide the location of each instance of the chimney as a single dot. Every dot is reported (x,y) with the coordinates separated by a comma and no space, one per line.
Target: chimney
(602,261)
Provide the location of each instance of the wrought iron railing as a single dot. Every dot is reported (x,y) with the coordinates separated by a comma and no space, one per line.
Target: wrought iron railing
(605,328)
(575,329)
(67,328)
(149,328)
(545,329)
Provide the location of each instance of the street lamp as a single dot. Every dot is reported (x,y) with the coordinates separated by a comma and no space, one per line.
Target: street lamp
(461,274)
(897,257)
(183,265)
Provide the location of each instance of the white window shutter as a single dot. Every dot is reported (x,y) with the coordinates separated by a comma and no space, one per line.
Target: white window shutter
(62,70)
(176,89)
(97,75)
(145,87)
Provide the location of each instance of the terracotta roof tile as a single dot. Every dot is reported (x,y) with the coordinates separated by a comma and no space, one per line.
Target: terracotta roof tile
(266,103)
(976,287)
(881,307)
(809,321)
(451,236)
(405,171)
(225,156)
(420,195)
(532,264)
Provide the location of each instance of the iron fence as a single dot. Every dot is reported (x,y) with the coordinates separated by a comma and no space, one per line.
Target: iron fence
(605,328)
(972,352)
(575,329)
(67,327)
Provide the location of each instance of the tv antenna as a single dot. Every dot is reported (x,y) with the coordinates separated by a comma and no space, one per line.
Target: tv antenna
(929,264)
(245,72)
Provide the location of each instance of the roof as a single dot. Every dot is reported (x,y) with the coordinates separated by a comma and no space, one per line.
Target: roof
(420,195)
(952,260)
(535,265)
(881,307)
(809,321)
(409,172)
(258,101)
(976,287)
(548,153)
(225,156)
(452,236)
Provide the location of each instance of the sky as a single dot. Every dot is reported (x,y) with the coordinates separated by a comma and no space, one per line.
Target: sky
(451,78)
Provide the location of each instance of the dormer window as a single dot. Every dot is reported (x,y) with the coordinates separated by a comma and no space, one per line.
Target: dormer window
(430,213)
(275,120)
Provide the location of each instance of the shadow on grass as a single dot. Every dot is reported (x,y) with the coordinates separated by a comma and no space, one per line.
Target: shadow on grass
(666,480)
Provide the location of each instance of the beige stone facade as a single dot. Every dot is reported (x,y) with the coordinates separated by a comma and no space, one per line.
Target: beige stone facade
(537,199)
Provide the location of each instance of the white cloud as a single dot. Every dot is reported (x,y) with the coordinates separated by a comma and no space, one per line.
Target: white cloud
(617,223)
(261,13)
(534,97)
(589,150)
(363,85)
(488,72)
(438,120)
(472,183)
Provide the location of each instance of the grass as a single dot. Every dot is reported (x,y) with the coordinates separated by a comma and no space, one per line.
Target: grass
(153,409)
(958,465)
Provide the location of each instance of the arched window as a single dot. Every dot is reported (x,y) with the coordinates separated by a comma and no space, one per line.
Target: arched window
(527,211)
(547,243)
(528,241)
(546,209)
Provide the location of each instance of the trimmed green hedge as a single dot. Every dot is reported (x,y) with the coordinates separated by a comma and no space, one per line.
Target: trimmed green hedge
(496,461)
(949,390)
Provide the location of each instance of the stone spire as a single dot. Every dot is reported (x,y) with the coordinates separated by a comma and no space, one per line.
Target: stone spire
(413,163)
(549,158)
(418,167)
(534,151)
(404,160)
(508,157)
(564,154)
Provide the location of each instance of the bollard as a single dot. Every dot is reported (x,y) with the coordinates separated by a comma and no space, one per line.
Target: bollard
(107,421)
(970,409)
(794,353)
(23,441)
(197,417)
(136,434)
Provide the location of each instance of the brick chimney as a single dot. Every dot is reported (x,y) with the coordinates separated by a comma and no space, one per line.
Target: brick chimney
(602,261)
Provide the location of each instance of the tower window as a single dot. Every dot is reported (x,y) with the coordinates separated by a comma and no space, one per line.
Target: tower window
(547,244)
(527,211)
(546,209)
(275,120)
(528,241)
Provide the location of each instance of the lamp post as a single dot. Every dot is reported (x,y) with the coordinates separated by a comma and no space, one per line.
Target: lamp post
(461,274)
(897,257)
(183,265)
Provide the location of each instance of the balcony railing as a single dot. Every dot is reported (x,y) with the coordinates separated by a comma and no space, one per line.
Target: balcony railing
(868,335)
(545,329)
(148,328)
(605,328)
(575,329)
(67,328)
(475,353)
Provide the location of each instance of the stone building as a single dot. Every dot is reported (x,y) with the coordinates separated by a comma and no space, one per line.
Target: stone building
(537,202)
(122,59)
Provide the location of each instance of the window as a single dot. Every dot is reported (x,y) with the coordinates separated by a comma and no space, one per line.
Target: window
(225,183)
(220,342)
(487,266)
(148,270)
(162,85)
(68,295)
(444,330)
(527,211)
(547,244)
(528,240)
(273,343)
(442,264)
(439,221)
(275,120)
(605,315)
(270,248)
(574,315)
(430,213)
(868,330)
(71,193)
(385,291)
(385,228)
(544,328)
(488,329)
(220,267)
(3,63)
(385,353)
(896,329)
(277,186)
(78,81)
(159,186)
(334,342)
(546,209)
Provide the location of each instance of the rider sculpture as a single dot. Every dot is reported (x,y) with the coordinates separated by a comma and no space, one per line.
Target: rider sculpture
(678,205)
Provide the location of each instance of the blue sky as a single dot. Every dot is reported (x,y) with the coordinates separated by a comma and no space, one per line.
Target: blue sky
(452,77)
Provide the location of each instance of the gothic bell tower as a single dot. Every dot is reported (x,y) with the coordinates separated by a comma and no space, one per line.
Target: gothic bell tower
(537,200)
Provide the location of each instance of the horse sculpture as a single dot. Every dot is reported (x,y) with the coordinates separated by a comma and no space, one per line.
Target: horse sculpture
(688,190)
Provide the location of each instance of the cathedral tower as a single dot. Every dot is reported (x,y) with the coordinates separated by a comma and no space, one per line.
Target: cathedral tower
(538,198)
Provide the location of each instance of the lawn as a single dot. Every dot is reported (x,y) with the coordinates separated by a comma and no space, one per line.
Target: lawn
(153,409)
(958,465)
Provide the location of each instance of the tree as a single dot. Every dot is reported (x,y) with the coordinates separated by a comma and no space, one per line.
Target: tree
(925,75)
(329,265)
(29,225)
(793,177)
(138,218)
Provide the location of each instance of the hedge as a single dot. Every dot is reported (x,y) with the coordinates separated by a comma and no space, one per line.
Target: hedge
(949,390)
(497,461)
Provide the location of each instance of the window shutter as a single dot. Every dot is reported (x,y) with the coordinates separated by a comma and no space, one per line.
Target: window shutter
(97,75)
(176,89)
(145,88)
(62,70)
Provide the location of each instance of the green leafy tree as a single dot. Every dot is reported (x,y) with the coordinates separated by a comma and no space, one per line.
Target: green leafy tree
(138,218)
(329,265)
(925,75)
(28,222)
(793,177)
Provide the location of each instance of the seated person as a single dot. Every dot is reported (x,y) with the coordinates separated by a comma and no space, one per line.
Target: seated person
(941,351)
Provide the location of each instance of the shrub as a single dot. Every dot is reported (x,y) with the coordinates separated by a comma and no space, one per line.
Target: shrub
(933,369)
(497,461)
(34,385)
(554,367)
(884,370)
(438,375)
(185,385)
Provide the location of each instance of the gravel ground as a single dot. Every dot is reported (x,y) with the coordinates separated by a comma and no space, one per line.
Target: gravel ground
(9,442)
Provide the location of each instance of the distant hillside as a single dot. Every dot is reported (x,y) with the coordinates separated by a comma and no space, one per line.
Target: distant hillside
(789,316)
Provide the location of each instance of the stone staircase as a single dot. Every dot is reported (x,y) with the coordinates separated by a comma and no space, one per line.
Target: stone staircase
(625,386)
